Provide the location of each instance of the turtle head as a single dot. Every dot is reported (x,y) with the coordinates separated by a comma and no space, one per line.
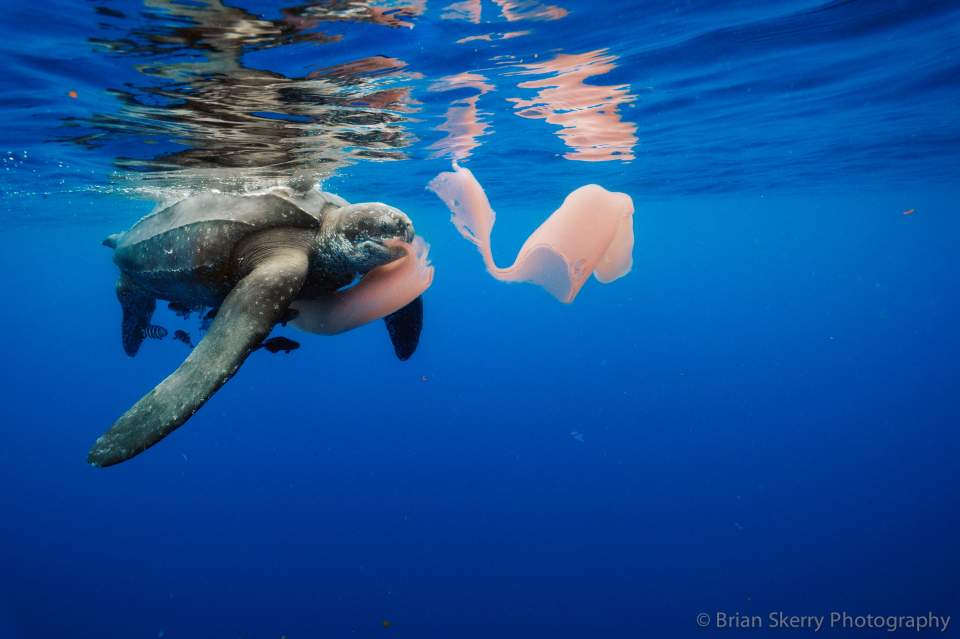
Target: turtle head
(356,238)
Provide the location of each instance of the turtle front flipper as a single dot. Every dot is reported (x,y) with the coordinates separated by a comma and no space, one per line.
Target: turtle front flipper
(404,327)
(138,305)
(247,315)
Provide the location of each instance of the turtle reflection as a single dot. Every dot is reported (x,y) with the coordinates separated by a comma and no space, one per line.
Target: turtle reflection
(210,115)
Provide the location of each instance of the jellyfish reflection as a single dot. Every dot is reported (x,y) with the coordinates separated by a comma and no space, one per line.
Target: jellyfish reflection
(462,122)
(587,114)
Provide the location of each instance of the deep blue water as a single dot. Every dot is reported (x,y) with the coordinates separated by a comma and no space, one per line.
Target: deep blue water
(767,402)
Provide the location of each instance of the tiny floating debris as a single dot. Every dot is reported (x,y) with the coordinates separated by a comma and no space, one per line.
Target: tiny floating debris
(277,344)
(386,623)
(577,435)
(909,211)
(424,378)
(183,336)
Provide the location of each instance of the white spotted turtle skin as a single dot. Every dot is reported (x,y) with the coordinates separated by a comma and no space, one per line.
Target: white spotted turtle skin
(187,251)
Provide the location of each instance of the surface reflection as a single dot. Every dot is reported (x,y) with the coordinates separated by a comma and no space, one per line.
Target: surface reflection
(468,10)
(227,120)
(462,122)
(510,10)
(514,10)
(491,37)
(196,112)
(587,114)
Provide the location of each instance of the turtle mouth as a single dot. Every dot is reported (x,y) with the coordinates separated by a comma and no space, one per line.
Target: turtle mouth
(378,223)
(402,231)
(369,235)
(385,248)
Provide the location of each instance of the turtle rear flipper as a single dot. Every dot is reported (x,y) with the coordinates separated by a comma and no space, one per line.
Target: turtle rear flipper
(404,327)
(243,321)
(138,305)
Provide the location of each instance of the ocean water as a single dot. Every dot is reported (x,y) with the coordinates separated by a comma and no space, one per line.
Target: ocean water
(761,417)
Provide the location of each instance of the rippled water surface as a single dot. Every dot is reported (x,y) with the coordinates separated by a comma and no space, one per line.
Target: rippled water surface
(678,97)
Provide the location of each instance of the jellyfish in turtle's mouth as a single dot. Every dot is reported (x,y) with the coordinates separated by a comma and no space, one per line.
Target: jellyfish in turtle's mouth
(380,250)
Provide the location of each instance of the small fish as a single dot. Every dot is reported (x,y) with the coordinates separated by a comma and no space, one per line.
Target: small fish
(577,435)
(183,336)
(154,332)
(909,211)
(211,314)
(180,309)
(277,344)
(183,310)
(72,93)
(424,378)
(386,623)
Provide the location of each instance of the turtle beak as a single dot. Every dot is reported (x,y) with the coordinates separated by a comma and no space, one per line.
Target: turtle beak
(404,233)
(379,223)
(372,229)
(400,227)
(408,232)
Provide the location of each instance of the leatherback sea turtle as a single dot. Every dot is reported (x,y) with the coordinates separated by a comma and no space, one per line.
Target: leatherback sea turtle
(250,257)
